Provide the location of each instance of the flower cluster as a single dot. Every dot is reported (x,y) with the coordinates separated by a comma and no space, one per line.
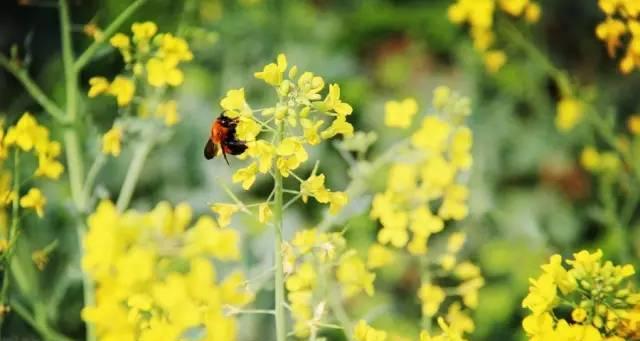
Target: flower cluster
(25,137)
(621,23)
(479,14)
(311,261)
(600,302)
(301,118)
(425,189)
(599,162)
(152,64)
(155,277)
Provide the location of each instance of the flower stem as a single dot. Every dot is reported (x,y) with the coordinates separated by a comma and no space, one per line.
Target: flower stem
(281,332)
(106,34)
(135,168)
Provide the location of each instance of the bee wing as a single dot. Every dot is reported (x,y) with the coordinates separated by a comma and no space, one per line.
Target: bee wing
(210,150)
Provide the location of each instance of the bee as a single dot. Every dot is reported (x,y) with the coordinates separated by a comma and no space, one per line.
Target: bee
(223,138)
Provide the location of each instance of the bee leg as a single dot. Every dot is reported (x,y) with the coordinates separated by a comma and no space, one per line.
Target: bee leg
(224,154)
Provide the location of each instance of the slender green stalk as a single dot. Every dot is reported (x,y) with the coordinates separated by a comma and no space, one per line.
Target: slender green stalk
(45,331)
(339,312)
(133,173)
(15,215)
(87,188)
(281,331)
(33,89)
(85,57)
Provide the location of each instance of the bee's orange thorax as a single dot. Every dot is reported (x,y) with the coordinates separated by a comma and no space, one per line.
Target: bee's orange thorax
(218,132)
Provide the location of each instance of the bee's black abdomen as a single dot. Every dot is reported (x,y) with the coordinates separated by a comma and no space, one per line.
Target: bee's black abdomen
(235,147)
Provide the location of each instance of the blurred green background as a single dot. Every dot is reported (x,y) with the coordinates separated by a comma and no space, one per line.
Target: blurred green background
(529,197)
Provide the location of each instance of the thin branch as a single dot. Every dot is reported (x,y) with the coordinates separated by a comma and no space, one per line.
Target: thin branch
(33,89)
(86,56)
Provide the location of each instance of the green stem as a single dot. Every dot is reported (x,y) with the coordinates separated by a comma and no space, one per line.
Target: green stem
(15,214)
(33,89)
(339,312)
(45,331)
(91,179)
(85,57)
(135,168)
(281,331)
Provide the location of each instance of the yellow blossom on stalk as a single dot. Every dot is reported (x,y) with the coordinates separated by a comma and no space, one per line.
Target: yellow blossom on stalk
(143,31)
(99,85)
(569,113)
(621,24)
(352,273)
(264,213)
(633,124)
(262,151)
(602,310)
(123,89)
(494,60)
(333,102)
(168,111)
(247,129)
(26,134)
(400,113)
(272,73)
(111,142)
(364,332)
(337,200)
(174,49)
(314,186)
(140,291)
(34,199)
(163,72)
(224,212)
(379,256)
(48,166)
(291,154)
(431,297)
(310,127)
(234,103)
(120,41)
(247,175)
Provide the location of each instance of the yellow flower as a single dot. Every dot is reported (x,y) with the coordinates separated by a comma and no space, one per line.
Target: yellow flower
(569,113)
(590,159)
(174,49)
(99,85)
(49,167)
(111,141)
(291,154)
(542,295)
(532,13)
(400,113)
(26,134)
(34,199)
(563,279)
(338,126)
(303,278)
(308,87)
(441,96)
(124,89)
(162,72)
(247,129)
(310,129)
(354,276)
(120,41)
(337,200)
(494,60)
(364,332)
(314,186)
(263,152)
(379,256)
(333,102)
(432,135)
(246,175)
(579,315)
(169,112)
(234,104)
(143,31)
(610,31)
(513,7)
(272,73)
(264,213)
(633,124)
(431,297)
(224,212)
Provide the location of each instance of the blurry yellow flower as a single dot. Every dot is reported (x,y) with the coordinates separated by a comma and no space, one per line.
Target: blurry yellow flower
(532,13)
(364,332)
(455,242)
(291,154)
(432,135)
(314,186)
(633,123)
(337,200)
(169,112)
(26,134)
(494,60)
(174,49)
(513,7)
(569,113)
(304,277)
(400,113)
(610,31)
(161,73)
(120,41)
(310,129)
(431,297)
(247,129)
(590,159)
(563,279)
(272,73)
(578,315)
(263,152)
(34,199)
(264,213)
(379,256)
(143,31)
(111,141)
(246,175)
(441,96)
(49,167)
(224,212)
(123,88)
(99,85)
(542,295)
(352,273)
